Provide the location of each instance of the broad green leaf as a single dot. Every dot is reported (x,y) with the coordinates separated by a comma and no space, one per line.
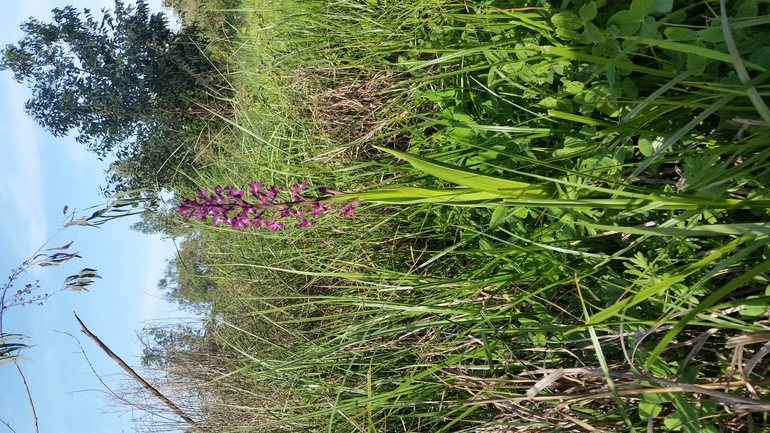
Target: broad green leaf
(695,62)
(713,34)
(747,9)
(642,8)
(591,34)
(567,34)
(626,22)
(604,98)
(649,410)
(672,422)
(688,416)
(677,16)
(761,57)
(628,87)
(498,216)
(645,145)
(549,102)
(588,11)
(664,6)
(566,20)
(753,310)
(680,34)
(573,87)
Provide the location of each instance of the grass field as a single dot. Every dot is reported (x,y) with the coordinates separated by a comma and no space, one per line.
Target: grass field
(563,221)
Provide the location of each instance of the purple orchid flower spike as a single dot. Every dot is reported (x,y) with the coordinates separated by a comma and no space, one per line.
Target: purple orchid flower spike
(261,206)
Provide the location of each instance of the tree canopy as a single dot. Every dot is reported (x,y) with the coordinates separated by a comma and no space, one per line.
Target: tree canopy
(111,80)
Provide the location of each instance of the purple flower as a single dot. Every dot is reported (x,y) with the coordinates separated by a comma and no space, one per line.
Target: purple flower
(318,208)
(255,188)
(295,191)
(349,211)
(303,221)
(272,225)
(229,205)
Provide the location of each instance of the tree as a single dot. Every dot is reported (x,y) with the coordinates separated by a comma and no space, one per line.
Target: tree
(110,80)
(188,280)
(166,222)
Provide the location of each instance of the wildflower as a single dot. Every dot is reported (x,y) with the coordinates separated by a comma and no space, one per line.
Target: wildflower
(295,191)
(318,208)
(349,211)
(303,221)
(264,207)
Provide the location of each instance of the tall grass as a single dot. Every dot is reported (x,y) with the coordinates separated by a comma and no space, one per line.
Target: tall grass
(565,224)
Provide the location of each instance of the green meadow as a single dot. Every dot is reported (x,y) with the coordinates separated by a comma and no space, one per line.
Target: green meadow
(563,220)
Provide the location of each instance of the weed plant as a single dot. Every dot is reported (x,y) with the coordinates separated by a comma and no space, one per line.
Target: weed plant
(570,222)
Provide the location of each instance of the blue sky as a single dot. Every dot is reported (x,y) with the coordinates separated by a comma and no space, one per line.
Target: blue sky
(39,175)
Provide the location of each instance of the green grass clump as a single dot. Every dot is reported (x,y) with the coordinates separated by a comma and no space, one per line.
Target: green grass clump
(564,223)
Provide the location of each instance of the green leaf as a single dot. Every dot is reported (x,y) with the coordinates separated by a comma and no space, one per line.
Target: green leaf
(672,422)
(567,34)
(548,102)
(761,57)
(664,6)
(695,61)
(688,416)
(642,8)
(573,87)
(567,20)
(498,216)
(591,34)
(64,211)
(626,22)
(604,98)
(628,87)
(664,284)
(469,178)
(753,310)
(717,295)
(698,50)
(588,11)
(736,229)
(645,145)
(747,9)
(649,410)
(713,34)
(680,34)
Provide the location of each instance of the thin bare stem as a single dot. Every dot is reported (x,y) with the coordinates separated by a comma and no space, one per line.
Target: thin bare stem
(192,423)
(7,425)
(29,395)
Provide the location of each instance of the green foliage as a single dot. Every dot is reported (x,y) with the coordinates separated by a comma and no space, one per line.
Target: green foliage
(104,78)
(578,192)
(126,83)
(187,280)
